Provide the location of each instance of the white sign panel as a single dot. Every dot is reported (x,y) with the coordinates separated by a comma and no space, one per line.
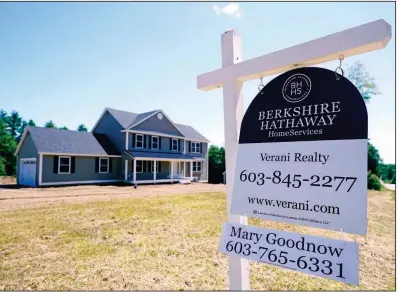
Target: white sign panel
(302,153)
(328,258)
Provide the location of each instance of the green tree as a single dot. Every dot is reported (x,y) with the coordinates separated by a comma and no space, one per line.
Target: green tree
(50,124)
(82,128)
(3,171)
(14,122)
(31,123)
(7,148)
(365,83)
(217,166)
(63,128)
(373,160)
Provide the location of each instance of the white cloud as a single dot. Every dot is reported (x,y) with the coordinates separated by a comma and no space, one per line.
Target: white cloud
(231,9)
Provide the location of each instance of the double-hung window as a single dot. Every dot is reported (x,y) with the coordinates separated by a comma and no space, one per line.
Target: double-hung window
(139,141)
(103,165)
(197,166)
(139,166)
(195,147)
(175,145)
(64,164)
(155,142)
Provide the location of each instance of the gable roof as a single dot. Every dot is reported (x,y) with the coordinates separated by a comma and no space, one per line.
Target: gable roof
(50,140)
(190,133)
(129,119)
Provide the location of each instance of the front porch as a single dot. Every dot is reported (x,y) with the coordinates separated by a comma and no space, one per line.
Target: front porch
(146,171)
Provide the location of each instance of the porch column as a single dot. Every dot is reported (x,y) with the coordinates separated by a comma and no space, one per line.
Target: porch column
(171,171)
(191,170)
(126,169)
(184,169)
(134,170)
(155,170)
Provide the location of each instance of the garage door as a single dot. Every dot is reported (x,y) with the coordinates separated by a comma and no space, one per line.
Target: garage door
(27,172)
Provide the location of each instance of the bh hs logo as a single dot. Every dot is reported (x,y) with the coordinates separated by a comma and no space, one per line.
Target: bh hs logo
(296,88)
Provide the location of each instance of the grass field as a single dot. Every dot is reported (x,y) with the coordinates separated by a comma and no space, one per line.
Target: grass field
(165,242)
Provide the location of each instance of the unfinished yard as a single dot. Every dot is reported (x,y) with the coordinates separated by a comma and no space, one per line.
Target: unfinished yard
(155,237)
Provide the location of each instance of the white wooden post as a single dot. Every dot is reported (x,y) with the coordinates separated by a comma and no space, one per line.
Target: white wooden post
(171,171)
(126,169)
(233,112)
(191,170)
(155,170)
(134,170)
(184,169)
(358,40)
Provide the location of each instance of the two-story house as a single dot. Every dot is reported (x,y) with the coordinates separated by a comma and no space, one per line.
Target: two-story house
(123,146)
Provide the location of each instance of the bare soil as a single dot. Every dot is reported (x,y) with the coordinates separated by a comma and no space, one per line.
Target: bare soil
(12,198)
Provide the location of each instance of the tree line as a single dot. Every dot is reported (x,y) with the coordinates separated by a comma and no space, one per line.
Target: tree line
(12,126)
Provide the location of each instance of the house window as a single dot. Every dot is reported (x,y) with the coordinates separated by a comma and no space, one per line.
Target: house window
(197,166)
(103,165)
(155,142)
(139,166)
(64,164)
(195,147)
(175,145)
(139,141)
(158,166)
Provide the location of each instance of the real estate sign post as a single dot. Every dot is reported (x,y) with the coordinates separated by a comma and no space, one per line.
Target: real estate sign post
(362,39)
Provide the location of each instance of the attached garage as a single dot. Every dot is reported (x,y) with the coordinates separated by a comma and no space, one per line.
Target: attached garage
(27,172)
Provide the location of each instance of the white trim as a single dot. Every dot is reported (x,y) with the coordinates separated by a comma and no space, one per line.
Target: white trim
(142,141)
(199,147)
(80,182)
(157,181)
(22,141)
(126,168)
(163,135)
(177,140)
(99,165)
(154,170)
(73,154)
(162,159)
(127,141)
(28,159)
(40,169)
(152,142)
(153,114)
(142,166)
(69,164)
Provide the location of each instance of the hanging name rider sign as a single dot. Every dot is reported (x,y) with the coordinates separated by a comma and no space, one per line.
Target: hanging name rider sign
(302,153)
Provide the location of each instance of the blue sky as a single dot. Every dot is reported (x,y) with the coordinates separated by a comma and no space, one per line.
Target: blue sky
(68,61)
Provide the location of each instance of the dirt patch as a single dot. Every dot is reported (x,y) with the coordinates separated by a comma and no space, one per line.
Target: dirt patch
(7,180)
(11,199)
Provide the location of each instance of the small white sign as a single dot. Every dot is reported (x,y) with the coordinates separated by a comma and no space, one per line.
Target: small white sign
(328,258)
(320,183)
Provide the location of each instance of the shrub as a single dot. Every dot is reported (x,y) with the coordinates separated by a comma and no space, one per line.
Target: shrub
(373,182)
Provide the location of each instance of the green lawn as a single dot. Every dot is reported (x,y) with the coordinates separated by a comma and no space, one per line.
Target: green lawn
(168,242)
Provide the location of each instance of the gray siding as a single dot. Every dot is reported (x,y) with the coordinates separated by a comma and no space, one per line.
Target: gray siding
(110,127)
(84,170)
(156,125)
(28,150)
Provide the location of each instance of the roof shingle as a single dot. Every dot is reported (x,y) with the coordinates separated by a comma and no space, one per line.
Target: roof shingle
(52,140)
